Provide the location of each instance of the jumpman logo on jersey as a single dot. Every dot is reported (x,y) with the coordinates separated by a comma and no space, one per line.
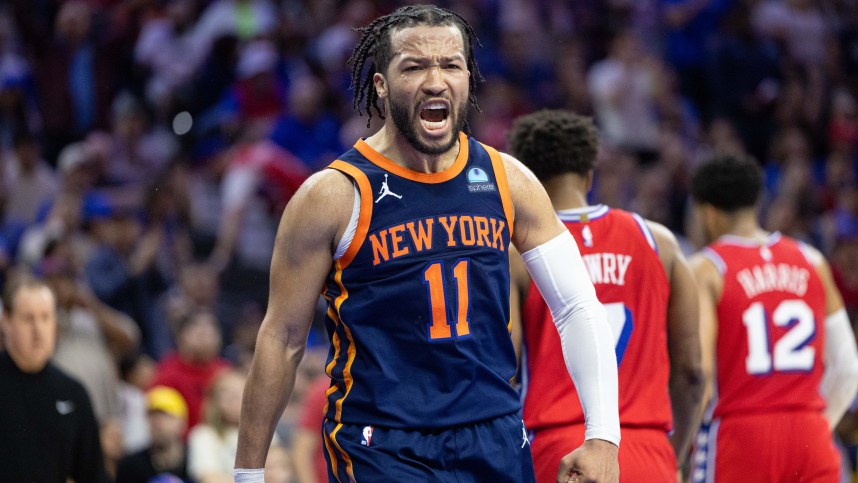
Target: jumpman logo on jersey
(385,190)
(525,440)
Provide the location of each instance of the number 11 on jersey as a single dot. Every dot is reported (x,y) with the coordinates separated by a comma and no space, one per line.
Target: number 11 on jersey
(433,277)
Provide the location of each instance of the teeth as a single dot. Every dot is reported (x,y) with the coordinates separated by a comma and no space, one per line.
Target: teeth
(435,105)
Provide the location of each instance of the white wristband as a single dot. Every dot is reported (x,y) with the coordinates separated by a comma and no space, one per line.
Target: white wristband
(243,475)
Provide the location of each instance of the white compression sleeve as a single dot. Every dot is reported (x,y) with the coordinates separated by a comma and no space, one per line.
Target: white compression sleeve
(588,345)
(242,475)
(840,380)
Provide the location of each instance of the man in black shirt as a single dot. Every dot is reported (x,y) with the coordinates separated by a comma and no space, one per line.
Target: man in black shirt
(49,432)
(167,452)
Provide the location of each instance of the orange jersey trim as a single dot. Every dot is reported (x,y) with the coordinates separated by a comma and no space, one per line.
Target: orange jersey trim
(384,163)
(503,187)
(333,457)
(349,465)
(365,214)
(334,314)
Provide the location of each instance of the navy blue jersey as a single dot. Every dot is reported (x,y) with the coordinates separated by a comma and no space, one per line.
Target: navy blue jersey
(418,306)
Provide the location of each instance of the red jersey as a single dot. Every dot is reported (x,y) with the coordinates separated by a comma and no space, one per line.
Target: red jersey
(622,261)
(771,332)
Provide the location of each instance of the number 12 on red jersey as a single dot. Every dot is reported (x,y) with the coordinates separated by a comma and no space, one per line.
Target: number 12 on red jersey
(791,352)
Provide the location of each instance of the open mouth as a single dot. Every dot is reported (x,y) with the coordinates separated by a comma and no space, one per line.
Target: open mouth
(434,114)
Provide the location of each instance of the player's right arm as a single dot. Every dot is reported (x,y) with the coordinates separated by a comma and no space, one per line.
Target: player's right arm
(840,379)
(303,254)
(710,284)
(683,339)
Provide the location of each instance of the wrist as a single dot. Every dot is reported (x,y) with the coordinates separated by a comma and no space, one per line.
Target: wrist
(248,475)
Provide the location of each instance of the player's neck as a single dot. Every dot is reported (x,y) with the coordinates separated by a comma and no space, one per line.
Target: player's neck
(567,191)
(396,148)
(745,227)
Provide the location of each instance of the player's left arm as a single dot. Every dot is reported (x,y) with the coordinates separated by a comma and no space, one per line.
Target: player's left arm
(840,379)
(554,263)
(683,342)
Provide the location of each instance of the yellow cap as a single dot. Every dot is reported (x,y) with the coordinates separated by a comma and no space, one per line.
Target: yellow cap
(168,400)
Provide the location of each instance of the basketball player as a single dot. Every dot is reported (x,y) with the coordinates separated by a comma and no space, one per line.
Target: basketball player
(776,335)
(644,282)
(407,237)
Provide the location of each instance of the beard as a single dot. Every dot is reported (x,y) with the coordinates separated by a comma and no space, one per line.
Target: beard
(403,120)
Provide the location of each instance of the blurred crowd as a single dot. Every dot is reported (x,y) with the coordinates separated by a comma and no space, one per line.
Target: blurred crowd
(149,146)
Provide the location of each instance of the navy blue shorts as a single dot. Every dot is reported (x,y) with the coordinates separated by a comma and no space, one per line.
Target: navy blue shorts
(495,450)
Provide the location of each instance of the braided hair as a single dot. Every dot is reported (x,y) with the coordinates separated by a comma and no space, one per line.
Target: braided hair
(373,51)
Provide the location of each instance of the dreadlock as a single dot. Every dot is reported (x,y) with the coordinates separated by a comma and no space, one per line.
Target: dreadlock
(374,44)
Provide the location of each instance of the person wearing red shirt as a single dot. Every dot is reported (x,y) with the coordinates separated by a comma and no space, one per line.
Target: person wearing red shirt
(646,286)
(775,335)
(191,368)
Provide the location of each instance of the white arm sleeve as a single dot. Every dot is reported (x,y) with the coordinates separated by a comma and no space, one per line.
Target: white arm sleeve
(588,345)
(840,380)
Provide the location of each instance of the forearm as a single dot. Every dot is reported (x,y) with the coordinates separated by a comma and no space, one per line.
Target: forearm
(588,350)
(686,397)
(268,389)
(840,380)
(585,336)
(119,330)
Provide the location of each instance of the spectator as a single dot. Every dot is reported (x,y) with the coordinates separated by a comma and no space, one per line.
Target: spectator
(137,371)
(259,179)
(30,183)
(689,29)
(279,465)
(164,47)
(623,91)
(73,76)
(166,455)
(309,130)
(745,80)
(39,400)
(307,446)
(110,433)
(92,336)
(122,271)
(212,443)
(195,363)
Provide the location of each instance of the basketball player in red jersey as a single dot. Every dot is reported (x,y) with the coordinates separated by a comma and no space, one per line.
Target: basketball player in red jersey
(644,282)
(775,334)
(407,235)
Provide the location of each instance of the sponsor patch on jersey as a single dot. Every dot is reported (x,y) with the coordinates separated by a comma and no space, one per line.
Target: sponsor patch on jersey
(478,181)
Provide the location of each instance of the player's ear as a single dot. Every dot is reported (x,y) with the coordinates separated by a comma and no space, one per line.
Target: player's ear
(380,84)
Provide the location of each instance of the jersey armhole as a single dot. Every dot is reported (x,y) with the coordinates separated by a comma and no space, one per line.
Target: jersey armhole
(647,233)
(351,229)
(716,260)
(363,205)
(503,186)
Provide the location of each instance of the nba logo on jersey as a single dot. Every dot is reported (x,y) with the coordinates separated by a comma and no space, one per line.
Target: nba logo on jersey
(478,180)
(587,235)
(367,436)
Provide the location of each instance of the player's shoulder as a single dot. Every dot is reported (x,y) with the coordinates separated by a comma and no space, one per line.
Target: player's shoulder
(327,187)
(520,178)
(811,253)
(665,239)
(324,201)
